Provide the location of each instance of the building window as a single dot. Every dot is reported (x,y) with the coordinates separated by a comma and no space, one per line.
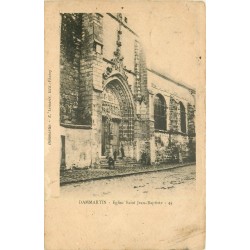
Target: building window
(160,112)
(98,48)
(183,118)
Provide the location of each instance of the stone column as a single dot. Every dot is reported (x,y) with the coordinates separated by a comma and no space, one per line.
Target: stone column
(168,112)
(151,127)
(152,142)
(96,126)
(151,105)
(91,70)
(137,134)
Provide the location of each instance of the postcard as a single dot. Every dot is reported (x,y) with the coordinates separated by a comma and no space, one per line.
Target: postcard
(125,125)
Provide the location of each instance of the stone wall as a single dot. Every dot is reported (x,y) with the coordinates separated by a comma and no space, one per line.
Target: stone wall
(69,67)
(172,145)
(168,148)
(174,115)
(78,148)
(191,119)
(91,67)
(81,66)
(111,26)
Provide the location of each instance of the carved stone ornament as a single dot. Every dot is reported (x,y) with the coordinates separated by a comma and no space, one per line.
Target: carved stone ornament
(117,60)
(140,98)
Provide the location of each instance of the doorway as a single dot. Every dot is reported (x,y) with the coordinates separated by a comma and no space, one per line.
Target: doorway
(110,135)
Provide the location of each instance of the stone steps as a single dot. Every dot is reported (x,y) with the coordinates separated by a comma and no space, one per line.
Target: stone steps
(119,162)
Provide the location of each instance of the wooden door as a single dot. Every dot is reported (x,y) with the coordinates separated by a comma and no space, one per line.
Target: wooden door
(115,135)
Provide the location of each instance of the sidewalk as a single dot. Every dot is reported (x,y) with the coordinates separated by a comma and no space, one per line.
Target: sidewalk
(83,175)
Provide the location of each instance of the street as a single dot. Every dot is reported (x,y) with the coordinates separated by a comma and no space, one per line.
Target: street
(137,186)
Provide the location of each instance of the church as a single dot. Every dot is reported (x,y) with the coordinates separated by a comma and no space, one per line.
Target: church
(110,101)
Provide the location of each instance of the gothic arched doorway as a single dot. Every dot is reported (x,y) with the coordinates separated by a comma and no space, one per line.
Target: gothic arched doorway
(117,117)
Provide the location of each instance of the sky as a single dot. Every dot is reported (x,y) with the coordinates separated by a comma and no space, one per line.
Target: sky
(173,39)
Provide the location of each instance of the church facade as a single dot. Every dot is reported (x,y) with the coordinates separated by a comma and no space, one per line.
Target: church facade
(110,99)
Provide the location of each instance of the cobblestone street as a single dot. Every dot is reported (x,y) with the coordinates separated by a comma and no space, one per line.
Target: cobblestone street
(142,185)
(78,175)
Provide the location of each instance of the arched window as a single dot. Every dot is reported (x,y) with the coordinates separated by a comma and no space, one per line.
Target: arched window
(183,118)
(160,112)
